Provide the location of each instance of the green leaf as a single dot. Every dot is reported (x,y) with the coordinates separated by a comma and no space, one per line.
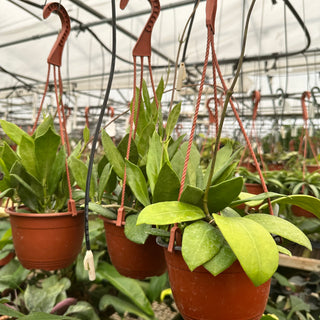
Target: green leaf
(174,146)
(14,132)
(84,311)
(28,156)
(222,194)
(221,261)
(154,160)
(45,316)
(7,311)
(12,275)
(192,195)
(137,183)
(200,243)
(8,156)
(168,212)
(254,200)
(284,250)
(128,287)
(113,155)
(86,135)
(143,139)
(281,227)
(137,234)
(45,148)
(79,172)
(123,146)
(57,171)
(167,186)
(99,209)
(253,246)
(306,202)
(122,306)
(173,119)
(45,297)
(297,304)
(105,177)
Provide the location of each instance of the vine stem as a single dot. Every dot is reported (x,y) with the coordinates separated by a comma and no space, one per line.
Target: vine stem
(224,111)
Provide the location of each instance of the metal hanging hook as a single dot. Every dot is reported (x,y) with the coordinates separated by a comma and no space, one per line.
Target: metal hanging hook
(143,44)
(55,54)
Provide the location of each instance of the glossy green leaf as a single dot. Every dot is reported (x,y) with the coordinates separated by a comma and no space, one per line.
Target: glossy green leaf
(143,139)
(45,316)
(167,185)
(200,243)
(129,287)
(221,261)
(137,183)
(284,250)
(173,119)
(306,202)
(281,227)
(154,160)
(122,306)
(169,212)
(46,147)
(222,194)
(79,171)
(123,146)
(28,156)
(82,310)
(86,134)
(113,155)
(104,179)
(253,246)
(192,195)
(14,132)
(8,311)
(174,146)
(100,210)
(44,126)
(8,156)
(254,200)
(57,170)
(137,234)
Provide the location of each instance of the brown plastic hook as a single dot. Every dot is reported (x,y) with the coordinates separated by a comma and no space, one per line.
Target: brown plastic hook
(211,10)
(305,94)
(256,97)
(143,44)
(56,51)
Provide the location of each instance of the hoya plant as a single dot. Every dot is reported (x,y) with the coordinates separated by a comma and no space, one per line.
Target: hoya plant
(35,174)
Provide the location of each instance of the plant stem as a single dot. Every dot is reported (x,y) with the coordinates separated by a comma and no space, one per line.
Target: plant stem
(224,110)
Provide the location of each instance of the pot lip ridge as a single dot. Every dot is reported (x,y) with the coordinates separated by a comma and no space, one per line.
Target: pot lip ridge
(11,211)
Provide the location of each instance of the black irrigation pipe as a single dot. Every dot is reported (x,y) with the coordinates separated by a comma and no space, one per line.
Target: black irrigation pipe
(98,126)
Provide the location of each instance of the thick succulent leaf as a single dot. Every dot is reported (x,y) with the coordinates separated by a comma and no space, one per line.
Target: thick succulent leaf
(137,183)
(174,146)
(107,178)
(143,139)
(113,155)
(101,210)
(169,212)
(57,171)
(8,156)
(173,119)
(282,228)
(284,250)
(79,171)
(44,126)
(137,234)
(254,200)
(222,194)
(167,185)
(192,195)
(123,146)
(221,261)
(46,147)
(28,156)
(200,243)
(306,202)
(129,287)
(253,246)
(154,160)
(14,132)
(122,306)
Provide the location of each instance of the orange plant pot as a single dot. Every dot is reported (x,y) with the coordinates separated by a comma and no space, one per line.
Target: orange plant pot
(138,261)
(254,188)
(201,296)
(47,241)
(299,212)
(7,259)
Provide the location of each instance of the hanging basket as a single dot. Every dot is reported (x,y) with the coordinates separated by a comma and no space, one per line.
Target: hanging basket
(254,188)
(299,212)
(138,261)
(201,296)
(47,241)
(7,259)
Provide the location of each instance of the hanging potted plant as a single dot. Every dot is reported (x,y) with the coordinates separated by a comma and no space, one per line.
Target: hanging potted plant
(132,250)
(47,230)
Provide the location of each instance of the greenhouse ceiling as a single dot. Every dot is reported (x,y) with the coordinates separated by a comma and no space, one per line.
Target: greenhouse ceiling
(282,56)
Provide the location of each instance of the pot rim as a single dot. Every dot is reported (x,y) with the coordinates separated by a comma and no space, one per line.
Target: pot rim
(11,211)
(110,221)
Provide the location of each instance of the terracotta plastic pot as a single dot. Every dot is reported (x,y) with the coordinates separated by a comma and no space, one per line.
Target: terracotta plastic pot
(254,188)
(200,296)
(312,168)
(249,166)
(299,212)
(138,261)
(47,241)
(275,166)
